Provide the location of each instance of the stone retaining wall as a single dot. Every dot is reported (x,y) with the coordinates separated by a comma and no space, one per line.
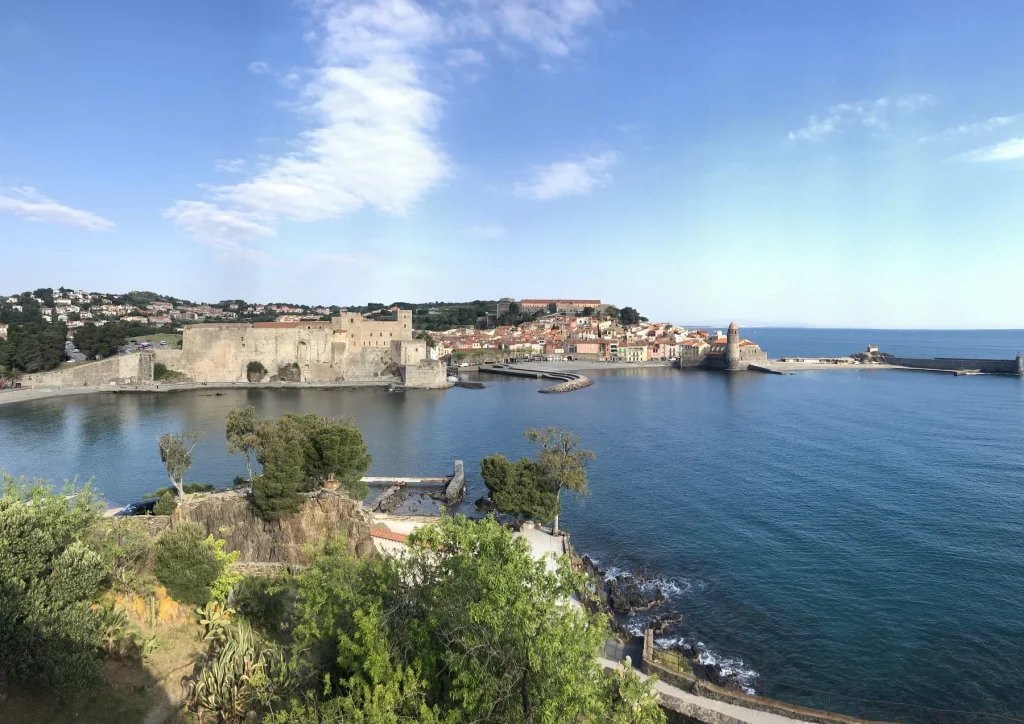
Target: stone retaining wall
(453,493)
(120,369)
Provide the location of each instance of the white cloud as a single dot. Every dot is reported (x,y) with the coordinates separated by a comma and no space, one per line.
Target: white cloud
(1009,150)
(26,202)
(568,178)
(551,26)
(868,114)
(232,165)
(371,141)
(973,130)
(486,232)
(465,56)
(372,116)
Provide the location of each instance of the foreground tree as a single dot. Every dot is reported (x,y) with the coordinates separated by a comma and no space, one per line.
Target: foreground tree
(276,493)
(176,455)
(243,433)
(466,627)
(563,460)
(327,446)
(49,581)
(522,489)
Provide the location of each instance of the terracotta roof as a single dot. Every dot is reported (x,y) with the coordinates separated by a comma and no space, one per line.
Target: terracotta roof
(386,534)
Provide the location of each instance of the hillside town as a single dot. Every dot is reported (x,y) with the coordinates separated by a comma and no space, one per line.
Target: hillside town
(550,329)
(575,329)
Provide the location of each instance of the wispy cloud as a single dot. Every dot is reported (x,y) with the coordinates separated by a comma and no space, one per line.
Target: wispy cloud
(486,232)
(232,165)
(568,178)
(551,26)
(26,202)
(874,115)
(373,115)
(1009,150)
(465,56)
(228,231)
(973,130)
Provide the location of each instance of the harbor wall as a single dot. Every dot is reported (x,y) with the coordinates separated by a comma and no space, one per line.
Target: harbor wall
(952,364)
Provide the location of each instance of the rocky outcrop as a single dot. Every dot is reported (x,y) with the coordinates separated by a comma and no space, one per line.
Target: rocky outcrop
(627,594)
(326,514)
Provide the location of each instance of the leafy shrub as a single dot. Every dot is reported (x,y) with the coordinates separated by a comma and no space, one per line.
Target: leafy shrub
(166,505)
(162,374)
(49,582)
(187,488)
(289,373)
(266,603)
(255,371)
(239,481)
(193,566)
(126,550)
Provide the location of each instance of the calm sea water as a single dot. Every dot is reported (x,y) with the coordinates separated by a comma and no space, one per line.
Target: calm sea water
(853,531)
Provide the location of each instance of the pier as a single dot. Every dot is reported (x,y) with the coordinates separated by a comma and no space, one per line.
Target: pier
(451,488)
(567,381)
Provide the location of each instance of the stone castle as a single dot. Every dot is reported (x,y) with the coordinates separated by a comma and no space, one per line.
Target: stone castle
(349,348)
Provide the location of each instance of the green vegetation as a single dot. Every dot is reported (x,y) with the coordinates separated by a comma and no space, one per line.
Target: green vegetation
(187,488)
(166,505)
(176,455)
(162,374)
(297,453)
(242,431)
(49,581)
(466,627)
(101,341)
(563,460)
(521,489)
(532,488)
(193,566)
(255,371)
(426,337)
(32,346)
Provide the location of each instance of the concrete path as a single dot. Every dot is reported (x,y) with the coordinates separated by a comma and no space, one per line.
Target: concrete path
(714,709)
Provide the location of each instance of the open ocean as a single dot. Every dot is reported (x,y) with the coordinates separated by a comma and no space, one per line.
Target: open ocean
(853,531)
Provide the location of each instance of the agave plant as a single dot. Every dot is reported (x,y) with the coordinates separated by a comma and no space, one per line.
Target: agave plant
(238,676)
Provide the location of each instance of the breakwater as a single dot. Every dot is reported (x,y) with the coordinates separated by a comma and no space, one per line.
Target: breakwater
(958,364)
(568,381)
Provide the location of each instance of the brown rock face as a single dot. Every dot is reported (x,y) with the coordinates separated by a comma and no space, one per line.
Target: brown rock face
(325,515)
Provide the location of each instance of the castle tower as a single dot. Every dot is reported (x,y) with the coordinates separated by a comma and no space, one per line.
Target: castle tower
(732,348)
(1020,365)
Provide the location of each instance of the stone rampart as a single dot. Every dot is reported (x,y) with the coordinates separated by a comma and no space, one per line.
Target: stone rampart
(121,369)
(953,364)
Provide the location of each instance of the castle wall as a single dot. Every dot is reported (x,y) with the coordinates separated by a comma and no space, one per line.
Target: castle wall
(120,369)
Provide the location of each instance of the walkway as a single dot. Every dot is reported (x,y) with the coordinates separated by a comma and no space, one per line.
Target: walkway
(702,708)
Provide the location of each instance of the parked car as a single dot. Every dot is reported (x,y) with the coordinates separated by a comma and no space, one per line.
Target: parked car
(142,507)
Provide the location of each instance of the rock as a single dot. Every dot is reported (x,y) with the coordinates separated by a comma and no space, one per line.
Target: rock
(627,594)
(687,649)
(713,674)
(661,624)
(485,505)
(326,514)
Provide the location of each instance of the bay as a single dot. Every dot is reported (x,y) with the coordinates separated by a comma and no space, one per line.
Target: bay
(855,531)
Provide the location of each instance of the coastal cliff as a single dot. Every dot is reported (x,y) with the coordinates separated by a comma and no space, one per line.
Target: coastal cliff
(326,514)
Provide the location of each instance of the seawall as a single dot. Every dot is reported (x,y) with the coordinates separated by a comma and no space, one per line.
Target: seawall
(954,364)
(121,369)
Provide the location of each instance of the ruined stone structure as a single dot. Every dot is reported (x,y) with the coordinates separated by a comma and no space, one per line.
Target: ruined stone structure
(349,348)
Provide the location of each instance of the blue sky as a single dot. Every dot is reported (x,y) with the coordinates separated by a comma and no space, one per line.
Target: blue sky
(831,163)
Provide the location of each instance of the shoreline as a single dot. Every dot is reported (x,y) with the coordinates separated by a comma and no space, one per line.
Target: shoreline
(30,394)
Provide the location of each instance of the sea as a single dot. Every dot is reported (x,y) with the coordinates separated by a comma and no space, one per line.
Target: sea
(830,536)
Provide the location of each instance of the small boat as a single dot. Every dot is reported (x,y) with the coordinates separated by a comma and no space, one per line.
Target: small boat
(453,378)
